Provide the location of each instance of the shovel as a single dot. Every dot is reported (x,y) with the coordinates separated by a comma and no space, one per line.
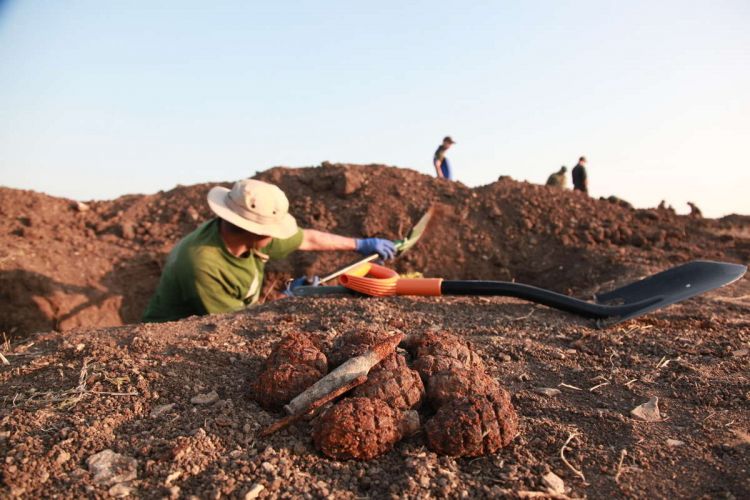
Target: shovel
(630,301)
(401,247)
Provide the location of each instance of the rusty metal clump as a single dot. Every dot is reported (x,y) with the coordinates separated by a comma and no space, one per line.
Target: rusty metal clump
(352,344)
(295,349)
(295,363)
(459,383)
(401,388)
(276,386)
(427,366)
(448,345)
(393,361)
(361,429)
(471,427)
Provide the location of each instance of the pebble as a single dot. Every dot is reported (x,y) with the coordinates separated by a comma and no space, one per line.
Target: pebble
(648,411)
(120,490)
(254,491)
(161,410)
(547,391)
(675,442)
(109,467)
(205,399)
(554,483)
(62,457)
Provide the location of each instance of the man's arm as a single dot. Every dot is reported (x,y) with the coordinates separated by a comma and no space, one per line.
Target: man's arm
(319,240)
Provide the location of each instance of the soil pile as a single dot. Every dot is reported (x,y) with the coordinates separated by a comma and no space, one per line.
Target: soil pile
(65,265)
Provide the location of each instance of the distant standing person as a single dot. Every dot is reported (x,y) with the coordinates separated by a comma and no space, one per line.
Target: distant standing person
(558,179)
(580,179)
(442,166)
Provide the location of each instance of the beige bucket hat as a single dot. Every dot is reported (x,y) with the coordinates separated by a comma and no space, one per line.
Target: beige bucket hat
(255,206)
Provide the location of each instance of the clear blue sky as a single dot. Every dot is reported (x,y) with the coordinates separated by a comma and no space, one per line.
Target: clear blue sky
(102,98)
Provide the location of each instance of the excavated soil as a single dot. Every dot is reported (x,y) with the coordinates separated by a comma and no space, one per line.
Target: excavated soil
(62,267)
(175,397)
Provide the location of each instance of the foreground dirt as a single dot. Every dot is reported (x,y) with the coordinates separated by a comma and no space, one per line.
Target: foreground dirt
(66,396)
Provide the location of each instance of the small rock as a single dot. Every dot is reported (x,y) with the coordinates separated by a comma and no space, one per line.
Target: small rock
(80,347)
(172,477)
(254,491)
(675,442)
(554,483)
(109,467)
(547,391)
(205,399)
(81,206)
(120,490)
(174,492)
(740,352)
(160,410)
(62,457)
(648,411)
(268,467)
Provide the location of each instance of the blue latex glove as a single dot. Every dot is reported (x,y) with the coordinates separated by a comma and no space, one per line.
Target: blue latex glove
(384,248)
(301,281)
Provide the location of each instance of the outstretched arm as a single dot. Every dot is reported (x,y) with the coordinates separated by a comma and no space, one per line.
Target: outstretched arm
(320,240)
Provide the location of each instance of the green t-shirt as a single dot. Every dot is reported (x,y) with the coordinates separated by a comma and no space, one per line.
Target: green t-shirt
(202,277)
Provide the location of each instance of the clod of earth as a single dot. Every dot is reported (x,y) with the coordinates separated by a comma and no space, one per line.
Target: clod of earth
(401,388)
(361,429)
(458,383)
(472,427)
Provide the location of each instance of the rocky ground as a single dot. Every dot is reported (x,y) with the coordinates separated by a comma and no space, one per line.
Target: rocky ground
(171,401)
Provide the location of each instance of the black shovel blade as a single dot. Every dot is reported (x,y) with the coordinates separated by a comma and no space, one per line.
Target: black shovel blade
(671,286)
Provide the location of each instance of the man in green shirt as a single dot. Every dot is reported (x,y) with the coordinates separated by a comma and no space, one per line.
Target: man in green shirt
(219,266)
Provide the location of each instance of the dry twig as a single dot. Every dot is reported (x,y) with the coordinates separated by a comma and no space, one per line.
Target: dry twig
(623,453)
(565,461)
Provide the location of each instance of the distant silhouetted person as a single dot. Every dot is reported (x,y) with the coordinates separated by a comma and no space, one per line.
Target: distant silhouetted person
(442,166)
(694,210)
(580,178)
(558,179)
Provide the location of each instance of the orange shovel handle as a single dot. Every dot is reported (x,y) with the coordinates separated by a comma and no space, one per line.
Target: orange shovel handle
(379,281)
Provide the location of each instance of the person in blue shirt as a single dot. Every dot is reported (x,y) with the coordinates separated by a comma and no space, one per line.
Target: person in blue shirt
(442,165)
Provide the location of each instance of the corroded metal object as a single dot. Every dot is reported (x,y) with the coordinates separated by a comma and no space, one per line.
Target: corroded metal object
(446,344)
(458,383)
(294,349)
(401,388)
(275,387)
(478,425)
(361,429)
(344,374)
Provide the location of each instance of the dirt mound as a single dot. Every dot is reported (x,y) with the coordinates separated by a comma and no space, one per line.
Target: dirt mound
(174,401)
(65,265)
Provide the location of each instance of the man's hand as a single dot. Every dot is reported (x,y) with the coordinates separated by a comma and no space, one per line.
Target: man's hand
(301,281)
(384,248)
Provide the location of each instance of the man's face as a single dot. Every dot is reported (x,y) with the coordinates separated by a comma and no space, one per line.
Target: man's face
(447,144)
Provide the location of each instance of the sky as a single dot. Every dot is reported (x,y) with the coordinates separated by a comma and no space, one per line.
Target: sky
(100,99)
